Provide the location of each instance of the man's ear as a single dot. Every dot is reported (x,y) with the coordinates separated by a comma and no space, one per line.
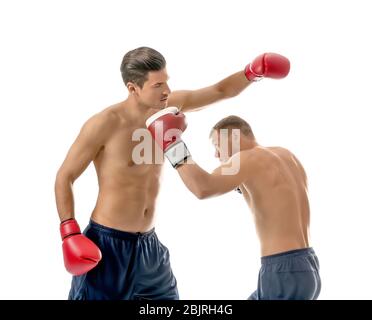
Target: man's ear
(132,87)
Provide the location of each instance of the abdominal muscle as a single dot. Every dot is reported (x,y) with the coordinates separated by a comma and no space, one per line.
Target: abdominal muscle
(125,208)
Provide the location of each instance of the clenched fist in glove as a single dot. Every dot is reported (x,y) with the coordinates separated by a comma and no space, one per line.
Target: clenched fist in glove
(166,127)
(80,254)
(267,65)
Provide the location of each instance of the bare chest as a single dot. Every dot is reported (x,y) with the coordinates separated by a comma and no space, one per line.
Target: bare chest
(130,152)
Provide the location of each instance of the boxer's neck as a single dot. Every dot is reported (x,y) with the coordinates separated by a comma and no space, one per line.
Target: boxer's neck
(132,110)
(248,143)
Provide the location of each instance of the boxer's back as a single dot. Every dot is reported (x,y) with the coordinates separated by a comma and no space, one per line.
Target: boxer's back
(277,195)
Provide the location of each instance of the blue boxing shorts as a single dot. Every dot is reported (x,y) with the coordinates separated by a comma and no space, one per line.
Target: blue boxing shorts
(291,275)
(134,266)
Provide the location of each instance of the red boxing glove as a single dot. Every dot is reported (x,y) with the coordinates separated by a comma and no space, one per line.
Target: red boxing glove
(166,127)
(269,65)
(80,254)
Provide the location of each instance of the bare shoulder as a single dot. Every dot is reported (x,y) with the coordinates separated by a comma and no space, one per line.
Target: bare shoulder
(101,125)
(260,159)
(280,152)
(283,152)
(104,119)
(252,158)
(258,154)
(290,158)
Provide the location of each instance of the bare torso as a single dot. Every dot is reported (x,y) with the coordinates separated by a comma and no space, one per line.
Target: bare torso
(277,196)
(127,191)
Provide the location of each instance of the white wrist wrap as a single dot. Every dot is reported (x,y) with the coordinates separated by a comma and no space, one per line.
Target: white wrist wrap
(177,154)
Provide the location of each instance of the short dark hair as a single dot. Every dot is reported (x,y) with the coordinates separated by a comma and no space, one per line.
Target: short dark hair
(233,122)
(138,62)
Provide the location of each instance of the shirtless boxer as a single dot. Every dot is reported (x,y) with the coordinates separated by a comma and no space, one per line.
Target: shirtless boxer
(119,255)
(274,185)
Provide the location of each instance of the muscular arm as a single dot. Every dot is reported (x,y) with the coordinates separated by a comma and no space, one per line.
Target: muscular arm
(271,65)
(86,146)
(192,100)
(205,185)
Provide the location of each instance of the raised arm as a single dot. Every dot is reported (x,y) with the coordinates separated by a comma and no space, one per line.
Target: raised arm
(193,100)
(269,65)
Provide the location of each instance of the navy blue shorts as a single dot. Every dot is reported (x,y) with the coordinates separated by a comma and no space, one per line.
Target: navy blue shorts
(134,266)
(291,275)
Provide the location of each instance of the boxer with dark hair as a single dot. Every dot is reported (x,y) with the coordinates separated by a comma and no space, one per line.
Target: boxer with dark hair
(119,256)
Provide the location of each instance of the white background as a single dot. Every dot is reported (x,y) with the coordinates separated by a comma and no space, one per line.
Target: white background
(59,64)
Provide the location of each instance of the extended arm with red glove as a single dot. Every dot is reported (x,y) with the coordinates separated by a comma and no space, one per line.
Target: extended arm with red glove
(80,254)
(166,127)
(267,65)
